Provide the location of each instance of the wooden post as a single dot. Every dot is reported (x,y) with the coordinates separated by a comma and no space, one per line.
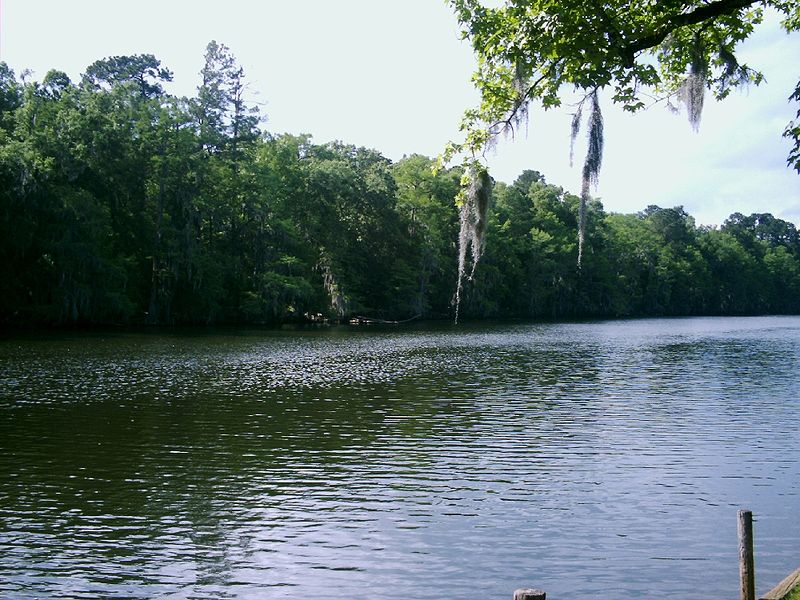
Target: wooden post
(529,594)
(747,574)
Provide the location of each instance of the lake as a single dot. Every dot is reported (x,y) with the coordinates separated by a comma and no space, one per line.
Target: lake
(598,459)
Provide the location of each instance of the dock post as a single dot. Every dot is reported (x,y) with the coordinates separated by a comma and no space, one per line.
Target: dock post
(747,574)
(529,594)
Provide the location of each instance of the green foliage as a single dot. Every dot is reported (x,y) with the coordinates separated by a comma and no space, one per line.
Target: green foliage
(792,132)
(143,72)
(122,204)
(425,204)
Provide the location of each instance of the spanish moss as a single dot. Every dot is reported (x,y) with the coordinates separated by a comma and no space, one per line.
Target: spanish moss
(734,74)
(692,91)
(519,114)
(575,129)
(591,166)
(475,198)
(338,302)
(692,94)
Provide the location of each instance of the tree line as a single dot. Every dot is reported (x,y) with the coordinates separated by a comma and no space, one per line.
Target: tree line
(123,204)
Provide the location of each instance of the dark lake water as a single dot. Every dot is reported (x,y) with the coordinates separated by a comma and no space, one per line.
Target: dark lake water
(591,460)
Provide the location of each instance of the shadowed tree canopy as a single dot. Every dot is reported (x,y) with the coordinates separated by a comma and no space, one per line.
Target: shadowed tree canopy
(633,52)
(121,204)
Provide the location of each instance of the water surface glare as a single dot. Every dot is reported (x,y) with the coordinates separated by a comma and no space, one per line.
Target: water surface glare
(591,460)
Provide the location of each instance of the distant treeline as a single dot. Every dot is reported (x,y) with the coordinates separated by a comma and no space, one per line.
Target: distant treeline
(122,204)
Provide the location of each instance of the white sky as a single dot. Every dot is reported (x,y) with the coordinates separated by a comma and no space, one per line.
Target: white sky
(393,75)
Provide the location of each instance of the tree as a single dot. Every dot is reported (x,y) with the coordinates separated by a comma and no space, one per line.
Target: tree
(10,97)
(59,261)
(762,227)
(531,50)
(735,279)
(348,214)
(223,118)
(425,201)
(142,71)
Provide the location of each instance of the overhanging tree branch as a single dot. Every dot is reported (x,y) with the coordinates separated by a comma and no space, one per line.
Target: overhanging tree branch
(699,15)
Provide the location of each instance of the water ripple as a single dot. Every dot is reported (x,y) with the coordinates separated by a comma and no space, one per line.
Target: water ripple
(578,458)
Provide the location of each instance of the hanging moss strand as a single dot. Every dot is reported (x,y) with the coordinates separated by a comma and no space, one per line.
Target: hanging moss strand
(591,167)
(476,196)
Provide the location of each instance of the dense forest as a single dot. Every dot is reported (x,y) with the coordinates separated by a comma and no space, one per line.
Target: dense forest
(123,204)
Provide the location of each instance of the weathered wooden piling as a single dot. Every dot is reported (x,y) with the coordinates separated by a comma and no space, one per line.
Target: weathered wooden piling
(747,574)
(529,594)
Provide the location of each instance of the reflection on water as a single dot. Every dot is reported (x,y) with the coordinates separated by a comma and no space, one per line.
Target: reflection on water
(585,459)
